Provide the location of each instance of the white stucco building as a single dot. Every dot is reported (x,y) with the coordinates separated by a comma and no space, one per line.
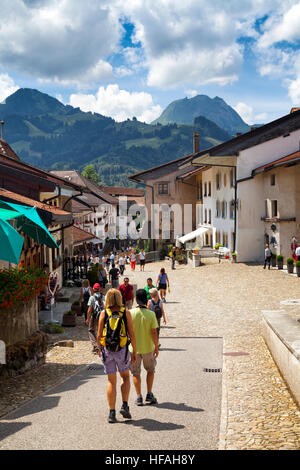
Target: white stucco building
(251,190)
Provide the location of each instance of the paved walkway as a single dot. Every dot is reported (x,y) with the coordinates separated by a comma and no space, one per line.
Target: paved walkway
(216,300)
(74,414)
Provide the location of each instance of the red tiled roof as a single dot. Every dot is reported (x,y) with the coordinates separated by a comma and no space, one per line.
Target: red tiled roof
(120,191)
(80,235)
(280,161)
(7,151)
(31,202)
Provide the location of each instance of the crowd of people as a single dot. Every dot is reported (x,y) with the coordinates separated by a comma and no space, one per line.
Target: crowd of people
(122,335)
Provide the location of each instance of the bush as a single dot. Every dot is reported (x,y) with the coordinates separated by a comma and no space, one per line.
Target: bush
(290,261)
(76,302)
(279,258)
(69,313)
(217,246)
(297,264)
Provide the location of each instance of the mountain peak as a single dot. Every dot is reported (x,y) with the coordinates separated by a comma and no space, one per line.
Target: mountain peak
(28,101)
(184,111)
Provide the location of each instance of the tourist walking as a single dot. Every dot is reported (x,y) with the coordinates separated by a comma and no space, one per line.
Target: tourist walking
(133,260)
(127,292)
(162,283)
(95,305)
(102,276)
(156,306)
(142,256)
(85,294)
(297,253)
(148,287)
(115,329)
(145,329)
(268,256)
(122,263)
(114,276)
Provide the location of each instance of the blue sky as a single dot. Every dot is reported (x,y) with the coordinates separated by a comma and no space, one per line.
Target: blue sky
(125,59)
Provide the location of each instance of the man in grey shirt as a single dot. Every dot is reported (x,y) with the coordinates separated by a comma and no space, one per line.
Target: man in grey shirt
(268,255)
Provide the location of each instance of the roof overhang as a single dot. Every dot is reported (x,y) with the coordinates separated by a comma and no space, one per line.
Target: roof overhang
(208,160)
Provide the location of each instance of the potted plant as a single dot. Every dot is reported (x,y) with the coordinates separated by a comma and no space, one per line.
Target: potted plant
(69,319)
(233,257)
(279,259)
(298,268)
(75,307)
(290,265)
(273,260)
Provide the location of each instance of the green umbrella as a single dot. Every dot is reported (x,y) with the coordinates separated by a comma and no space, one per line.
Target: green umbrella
(28,221)
(11,243)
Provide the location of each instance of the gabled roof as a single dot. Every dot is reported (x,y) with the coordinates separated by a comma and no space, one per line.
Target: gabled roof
(7,151)
(76,178)
(258,135)
(140,176)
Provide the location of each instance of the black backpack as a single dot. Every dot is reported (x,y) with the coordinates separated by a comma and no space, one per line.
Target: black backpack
(86,296)
(98,306)
(157,308)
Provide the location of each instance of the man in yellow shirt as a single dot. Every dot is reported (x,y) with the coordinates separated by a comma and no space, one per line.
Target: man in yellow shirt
(145,330)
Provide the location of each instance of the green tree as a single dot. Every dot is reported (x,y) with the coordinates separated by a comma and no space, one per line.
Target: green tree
(90,173)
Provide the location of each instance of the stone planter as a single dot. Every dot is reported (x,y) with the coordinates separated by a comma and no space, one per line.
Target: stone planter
(76,309)
(290,268)
(298,271)
(233,259)
(273,262)
(279,264)
(69,320)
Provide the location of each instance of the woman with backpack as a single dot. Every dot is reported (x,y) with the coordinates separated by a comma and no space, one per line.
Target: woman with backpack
(102,276)
(156,306)
(85,294)
(161,284)
(115,329)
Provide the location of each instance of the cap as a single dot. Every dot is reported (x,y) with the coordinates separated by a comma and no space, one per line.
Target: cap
(96,286)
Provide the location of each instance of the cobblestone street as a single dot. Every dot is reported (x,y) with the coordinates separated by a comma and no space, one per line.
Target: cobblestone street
(216,300)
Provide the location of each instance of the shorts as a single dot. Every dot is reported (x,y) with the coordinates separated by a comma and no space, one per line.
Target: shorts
(114,361)
(162,286)
(142,262)
(149,363)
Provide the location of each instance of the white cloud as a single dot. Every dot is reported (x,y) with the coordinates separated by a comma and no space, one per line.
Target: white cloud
(191,93)
(7,86)
(283,26)
(63,40)
(194,42)
(118,104)
(245,111)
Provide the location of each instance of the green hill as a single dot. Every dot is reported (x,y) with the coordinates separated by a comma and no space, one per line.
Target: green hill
(184,111)
(50,135)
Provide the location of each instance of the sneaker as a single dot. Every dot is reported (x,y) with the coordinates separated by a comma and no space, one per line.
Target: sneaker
(164,300)
(112,417)
(95,350)
(125,412)
(139,401)
(150,399)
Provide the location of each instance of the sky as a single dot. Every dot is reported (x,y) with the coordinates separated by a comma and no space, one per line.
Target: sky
(124,59)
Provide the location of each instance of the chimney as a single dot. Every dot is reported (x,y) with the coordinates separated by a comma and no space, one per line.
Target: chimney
(238,133)
(196,142)
(293,110)
(2,130)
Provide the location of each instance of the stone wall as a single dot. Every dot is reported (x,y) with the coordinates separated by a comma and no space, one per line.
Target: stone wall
(26,347)
(19,323)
